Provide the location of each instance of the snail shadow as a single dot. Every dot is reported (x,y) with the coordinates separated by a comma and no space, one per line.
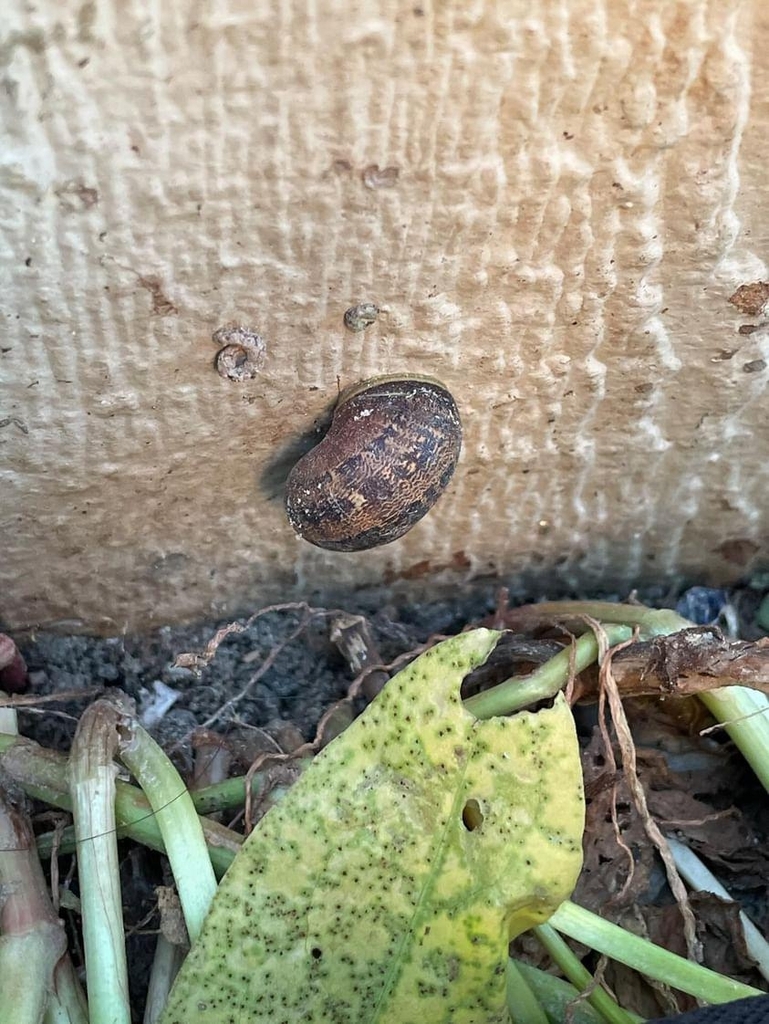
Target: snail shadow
(273,477)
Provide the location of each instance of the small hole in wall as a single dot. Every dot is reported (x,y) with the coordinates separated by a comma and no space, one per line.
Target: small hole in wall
(472,816)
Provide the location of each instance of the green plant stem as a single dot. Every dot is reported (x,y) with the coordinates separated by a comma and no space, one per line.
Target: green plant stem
(25,971)
(581,978)
(744,713)
(177,819)
(700,879)
(33,940)
(221,856)
(42,774)
(42,768)
(67,1004)
(231,793)
(92,783)
(545,681)
(522,1003)
(650,621)
(644,956)
(38,964)
(165,966)
(559,998)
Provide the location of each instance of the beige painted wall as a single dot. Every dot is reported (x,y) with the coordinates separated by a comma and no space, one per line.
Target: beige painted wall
(554,200)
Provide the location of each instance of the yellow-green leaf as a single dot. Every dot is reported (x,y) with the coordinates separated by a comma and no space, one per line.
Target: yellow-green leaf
(386,885)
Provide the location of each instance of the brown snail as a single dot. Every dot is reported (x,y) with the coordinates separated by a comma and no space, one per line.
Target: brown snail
(389,453)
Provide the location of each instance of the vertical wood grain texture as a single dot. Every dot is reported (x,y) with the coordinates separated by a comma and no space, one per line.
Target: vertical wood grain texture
(554,202)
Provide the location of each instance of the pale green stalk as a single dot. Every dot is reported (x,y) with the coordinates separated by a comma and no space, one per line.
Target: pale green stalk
(33,940)
(165,966)
(212,762)
(650,621)
(581,978)
(644,956)
(559,998)
(701,879)
(26,973)
(92,784)
(67,1004)
(35,963)
(743,713)
(221,841)
(522,1004)
(545,681)
(740,709)
(178,822)
(231,793)
(42,774)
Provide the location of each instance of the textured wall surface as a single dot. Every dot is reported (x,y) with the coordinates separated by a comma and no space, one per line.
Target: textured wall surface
(555,202)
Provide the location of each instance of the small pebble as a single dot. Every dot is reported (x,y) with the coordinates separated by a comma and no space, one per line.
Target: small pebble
(702,605)
(358,318)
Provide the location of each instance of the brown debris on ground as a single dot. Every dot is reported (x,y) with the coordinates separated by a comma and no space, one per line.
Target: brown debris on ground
(692,786)
(691,661)
(652,770)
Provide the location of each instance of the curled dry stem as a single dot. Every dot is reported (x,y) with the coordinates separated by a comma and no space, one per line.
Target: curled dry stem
(629,766)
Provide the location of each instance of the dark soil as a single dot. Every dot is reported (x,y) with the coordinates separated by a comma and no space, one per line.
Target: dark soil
(307,676)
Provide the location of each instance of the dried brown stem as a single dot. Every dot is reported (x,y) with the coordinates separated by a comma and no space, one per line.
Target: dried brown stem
(689,662)
(352,636)
(625,740)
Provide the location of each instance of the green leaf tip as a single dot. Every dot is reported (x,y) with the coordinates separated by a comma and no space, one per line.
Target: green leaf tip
(387,884)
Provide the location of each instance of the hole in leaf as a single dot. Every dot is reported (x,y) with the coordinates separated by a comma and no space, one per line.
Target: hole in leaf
(472,816)
(316,953)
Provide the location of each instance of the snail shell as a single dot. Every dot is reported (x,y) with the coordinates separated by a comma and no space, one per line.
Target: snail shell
(389,453)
